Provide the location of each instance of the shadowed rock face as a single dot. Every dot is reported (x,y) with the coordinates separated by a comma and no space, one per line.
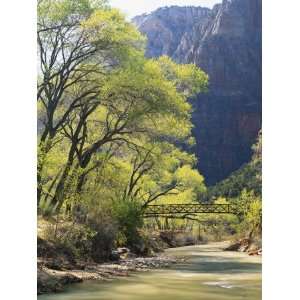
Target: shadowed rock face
(226,43)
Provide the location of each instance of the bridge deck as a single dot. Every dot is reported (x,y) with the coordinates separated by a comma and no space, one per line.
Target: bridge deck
(199,208)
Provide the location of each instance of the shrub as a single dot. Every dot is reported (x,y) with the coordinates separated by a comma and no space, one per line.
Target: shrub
(101,221)
(128,216)
(76,239)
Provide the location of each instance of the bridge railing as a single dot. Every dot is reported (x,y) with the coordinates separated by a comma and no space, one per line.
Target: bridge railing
(175,209)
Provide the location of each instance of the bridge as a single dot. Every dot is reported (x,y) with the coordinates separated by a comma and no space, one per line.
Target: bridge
(165,210)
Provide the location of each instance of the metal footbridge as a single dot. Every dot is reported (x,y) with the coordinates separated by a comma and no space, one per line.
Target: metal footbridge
(165,210)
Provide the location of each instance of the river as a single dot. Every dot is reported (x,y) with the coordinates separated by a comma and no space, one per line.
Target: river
(208,274)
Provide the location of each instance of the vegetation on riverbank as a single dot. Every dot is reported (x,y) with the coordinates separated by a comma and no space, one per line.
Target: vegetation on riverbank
(70,258)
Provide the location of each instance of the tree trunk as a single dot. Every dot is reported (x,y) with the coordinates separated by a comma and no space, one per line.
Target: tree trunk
(40,165)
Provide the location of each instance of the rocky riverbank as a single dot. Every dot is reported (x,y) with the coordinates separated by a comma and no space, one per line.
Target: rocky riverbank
(250,246)
(52,278)
(53,274)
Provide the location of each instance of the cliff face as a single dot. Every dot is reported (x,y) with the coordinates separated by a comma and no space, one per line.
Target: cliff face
(226,43)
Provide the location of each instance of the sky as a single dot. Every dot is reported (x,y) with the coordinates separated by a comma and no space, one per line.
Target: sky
(137,7)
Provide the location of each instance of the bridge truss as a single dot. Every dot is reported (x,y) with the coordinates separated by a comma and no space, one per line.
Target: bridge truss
(165,210)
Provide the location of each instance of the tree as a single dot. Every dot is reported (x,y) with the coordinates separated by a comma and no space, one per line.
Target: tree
(148,105)
(101,101)
(78,41)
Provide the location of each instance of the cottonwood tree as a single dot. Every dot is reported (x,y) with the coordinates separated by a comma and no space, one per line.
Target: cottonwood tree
(136,101)
(164,172)
(99,97)
(77,41)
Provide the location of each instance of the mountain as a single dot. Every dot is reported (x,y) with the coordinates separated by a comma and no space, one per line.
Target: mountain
(225,42)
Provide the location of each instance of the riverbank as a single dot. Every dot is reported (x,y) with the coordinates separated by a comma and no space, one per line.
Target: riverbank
(60,264)
(55,274)
(57,266)
(67,260)
(208,272)
(250,246)
(52,280)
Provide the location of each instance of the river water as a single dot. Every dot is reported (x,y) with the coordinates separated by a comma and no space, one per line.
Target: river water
(208,274)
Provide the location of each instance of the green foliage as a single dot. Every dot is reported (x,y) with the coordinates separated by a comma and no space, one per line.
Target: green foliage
(250,207)
(74,238)
(61,11)
(188,79)
(128,216)
(244,178)
(254,214)
(248,177)
(242,189)
(110,123)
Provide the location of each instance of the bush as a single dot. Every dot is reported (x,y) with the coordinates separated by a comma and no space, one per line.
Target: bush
(75,239)
(101,221)
(104,240)
(128,216)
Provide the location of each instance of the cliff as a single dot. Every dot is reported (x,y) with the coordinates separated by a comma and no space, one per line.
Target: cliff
(226,43)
